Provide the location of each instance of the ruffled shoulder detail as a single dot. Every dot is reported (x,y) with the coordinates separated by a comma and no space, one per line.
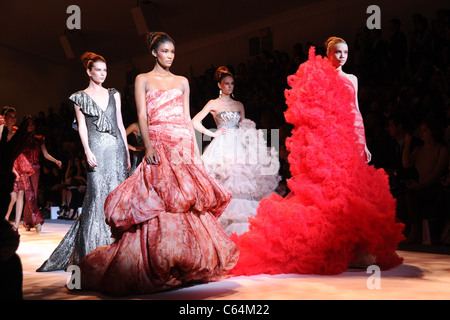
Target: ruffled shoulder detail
(90,108)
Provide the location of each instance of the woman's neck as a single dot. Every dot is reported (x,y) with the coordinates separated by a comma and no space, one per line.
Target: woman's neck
(225,97)
(161,71)
(94,86)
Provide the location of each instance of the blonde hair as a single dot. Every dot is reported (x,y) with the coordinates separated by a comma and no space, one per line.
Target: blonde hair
(331,41)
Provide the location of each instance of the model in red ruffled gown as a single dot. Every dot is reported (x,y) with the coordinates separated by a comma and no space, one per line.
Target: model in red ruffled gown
(164,216)
(340,211)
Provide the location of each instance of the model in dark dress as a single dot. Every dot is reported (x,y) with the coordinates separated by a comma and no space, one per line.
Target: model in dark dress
(90,230)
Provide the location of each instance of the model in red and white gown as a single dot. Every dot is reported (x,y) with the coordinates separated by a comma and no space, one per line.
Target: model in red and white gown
(339,208)
(163,217)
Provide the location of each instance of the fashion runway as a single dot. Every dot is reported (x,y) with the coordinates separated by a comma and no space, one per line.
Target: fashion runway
(423,276)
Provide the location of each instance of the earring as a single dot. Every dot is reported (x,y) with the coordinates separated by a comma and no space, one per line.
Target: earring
(220,94)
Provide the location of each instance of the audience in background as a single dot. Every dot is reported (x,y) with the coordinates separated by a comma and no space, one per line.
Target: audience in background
(412,83)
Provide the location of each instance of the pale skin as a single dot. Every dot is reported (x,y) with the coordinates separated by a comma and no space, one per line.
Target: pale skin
(213,107)
(338,55)
(97,75)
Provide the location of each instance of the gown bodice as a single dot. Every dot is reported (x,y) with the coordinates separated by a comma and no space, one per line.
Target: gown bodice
(229,119)
(165,108)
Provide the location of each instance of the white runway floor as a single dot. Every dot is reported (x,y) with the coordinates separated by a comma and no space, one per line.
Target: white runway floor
(423,276)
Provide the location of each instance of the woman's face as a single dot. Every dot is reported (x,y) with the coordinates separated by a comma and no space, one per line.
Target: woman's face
(98,72)
(165,54)
(31,126)
(338,54)
(10,119)
(425,133)
(227,85)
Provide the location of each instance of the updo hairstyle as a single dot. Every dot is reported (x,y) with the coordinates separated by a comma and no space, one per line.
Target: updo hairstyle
(221,73)
(332,41)
(155,39)
(88,59)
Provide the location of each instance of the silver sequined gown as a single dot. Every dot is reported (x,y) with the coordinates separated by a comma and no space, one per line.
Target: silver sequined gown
(90,231)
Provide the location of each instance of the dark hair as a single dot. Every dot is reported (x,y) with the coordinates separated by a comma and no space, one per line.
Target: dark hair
(436,128)
(155,39)
(221,73)
(6,110)
(400,119)
(88,59)
(19,139)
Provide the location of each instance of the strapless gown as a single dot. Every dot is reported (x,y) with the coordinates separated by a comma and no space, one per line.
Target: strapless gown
(163,217)
(241,162)
(339,208)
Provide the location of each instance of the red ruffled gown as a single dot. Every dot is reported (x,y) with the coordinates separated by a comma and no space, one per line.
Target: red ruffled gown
(32,215)
(339,207)
(163,217)
(24,170)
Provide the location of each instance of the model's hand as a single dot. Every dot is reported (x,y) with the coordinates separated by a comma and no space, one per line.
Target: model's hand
(222,130)
(150,156)
(368,154)
(58,163)
(91,160)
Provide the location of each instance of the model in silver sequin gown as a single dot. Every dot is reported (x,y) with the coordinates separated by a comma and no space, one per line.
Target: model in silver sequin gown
(90,231)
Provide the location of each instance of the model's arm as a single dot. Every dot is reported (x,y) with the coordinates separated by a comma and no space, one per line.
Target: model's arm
(139,93)
(366,149)
(50,157)
(187,113)
(82,131)
(132,128)
(197,121)
(242,110)
(121,126)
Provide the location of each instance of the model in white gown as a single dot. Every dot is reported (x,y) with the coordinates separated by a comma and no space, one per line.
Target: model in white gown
(238,156)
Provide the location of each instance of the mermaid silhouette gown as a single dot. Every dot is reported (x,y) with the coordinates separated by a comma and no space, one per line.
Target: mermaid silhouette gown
(339,207)
(90,231)
(241,162)
(164,216)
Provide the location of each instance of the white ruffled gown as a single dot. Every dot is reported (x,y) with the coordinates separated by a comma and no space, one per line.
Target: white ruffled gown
(242,163)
